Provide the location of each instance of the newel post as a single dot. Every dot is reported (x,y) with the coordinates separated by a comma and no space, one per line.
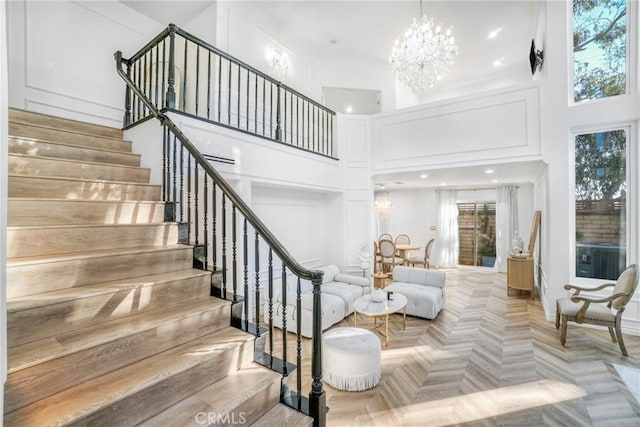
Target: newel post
(171,79)
(317,396)
(127,99)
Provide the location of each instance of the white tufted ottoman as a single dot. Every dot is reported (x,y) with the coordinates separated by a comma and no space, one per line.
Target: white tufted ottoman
(351,359)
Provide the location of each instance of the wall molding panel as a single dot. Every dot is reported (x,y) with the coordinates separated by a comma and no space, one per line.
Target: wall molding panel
(498,125)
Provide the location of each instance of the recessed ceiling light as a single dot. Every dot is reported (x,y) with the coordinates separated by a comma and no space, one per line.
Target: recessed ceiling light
(494,180)
(498,62)
(424,176)
(349,109)
(442,184)
(494,33)
(489,171)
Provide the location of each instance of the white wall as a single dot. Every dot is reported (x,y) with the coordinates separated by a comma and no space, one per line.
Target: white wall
(61,56)
(4,129)
(499,125)
(353,209)
(245,33)
(359,76)
(297,218)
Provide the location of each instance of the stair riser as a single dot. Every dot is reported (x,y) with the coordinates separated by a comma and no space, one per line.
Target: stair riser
(31,384)
(64,137)
(29,325)
(155,398)
(27,117)
(51,276)
(33,147)
(31,242)
(26,186)
(62,168)
(23,212)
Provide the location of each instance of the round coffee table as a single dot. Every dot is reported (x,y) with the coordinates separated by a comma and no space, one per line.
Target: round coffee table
(366,306)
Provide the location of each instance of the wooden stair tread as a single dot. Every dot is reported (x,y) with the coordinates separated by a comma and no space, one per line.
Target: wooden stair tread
(225,396)
(30,211)
(100,181)
(29,117)
(82,162)
(282,415)
(84,399)
(64,131)
(70,294)
(40,351)
(53,199)
(15,262)
(67,144)
(53,166)
(67,226)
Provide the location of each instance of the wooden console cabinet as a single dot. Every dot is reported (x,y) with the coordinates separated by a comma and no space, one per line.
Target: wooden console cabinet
(520,274)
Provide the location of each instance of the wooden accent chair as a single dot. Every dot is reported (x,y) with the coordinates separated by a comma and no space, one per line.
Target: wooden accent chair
(385,236)
(598,311)
(422,257)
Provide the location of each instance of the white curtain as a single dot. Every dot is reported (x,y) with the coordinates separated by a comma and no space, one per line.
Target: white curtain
(446,246)
(506,223)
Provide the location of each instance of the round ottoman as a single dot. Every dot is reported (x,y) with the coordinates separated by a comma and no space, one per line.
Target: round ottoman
(351,359)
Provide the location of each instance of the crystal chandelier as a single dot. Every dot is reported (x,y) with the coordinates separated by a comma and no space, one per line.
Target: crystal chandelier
(424,55)
(382,204)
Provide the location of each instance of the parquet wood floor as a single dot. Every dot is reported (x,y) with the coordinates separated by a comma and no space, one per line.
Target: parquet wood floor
(489,360)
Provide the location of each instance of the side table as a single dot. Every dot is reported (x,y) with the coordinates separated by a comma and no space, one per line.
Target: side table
(379,280)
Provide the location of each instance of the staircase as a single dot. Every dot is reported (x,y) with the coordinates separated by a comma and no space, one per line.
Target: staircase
(108,323)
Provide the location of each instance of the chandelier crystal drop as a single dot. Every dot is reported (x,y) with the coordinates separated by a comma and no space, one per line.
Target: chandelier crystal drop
(425,54)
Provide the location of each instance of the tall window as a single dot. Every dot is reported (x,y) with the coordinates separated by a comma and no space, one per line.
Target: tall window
(601,202)
(477,233)
(599,48)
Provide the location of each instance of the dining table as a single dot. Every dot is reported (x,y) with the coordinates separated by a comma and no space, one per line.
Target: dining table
(403,251)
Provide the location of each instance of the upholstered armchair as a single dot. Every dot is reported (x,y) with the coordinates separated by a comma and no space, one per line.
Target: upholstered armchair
(604,311)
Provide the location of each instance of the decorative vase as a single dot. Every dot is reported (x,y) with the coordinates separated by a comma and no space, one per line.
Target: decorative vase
(378,295)
(517,245)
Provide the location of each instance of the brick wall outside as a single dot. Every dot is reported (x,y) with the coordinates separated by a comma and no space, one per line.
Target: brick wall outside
(600,222)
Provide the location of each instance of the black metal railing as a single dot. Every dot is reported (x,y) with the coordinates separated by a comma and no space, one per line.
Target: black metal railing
(178,71)
(231,239)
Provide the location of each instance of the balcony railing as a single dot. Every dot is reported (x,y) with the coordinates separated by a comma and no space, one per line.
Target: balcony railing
(179,72)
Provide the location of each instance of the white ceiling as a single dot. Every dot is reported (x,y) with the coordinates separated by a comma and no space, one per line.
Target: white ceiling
(460,177)
(365,31)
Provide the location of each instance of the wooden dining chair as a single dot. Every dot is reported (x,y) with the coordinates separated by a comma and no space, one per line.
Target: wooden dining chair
(385,236)
(422,257)
(403,239)
(389,257)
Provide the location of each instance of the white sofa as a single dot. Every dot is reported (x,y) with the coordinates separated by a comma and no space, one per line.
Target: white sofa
(423,288)
(339,291)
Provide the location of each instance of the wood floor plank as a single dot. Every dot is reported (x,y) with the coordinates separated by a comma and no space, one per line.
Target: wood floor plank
(488,360)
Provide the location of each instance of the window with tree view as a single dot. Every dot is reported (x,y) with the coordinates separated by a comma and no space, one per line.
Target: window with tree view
(601,201)
(599,48)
